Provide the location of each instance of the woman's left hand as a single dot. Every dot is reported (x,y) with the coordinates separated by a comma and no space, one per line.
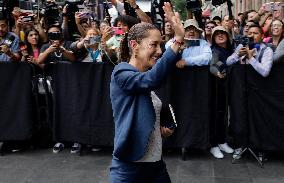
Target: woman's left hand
(166,132)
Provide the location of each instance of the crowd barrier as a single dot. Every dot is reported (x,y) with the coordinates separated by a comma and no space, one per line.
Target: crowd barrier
(82,109)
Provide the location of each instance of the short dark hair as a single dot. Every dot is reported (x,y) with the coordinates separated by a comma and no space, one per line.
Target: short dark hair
(127,20)
(257,26)
(54,26)
(3,18)
(217,18)
(241,13)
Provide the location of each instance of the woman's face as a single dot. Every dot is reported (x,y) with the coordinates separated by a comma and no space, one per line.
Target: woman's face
(91,33)
(33,38)
(277,28)
(149,49)
(220,38)
(123,26)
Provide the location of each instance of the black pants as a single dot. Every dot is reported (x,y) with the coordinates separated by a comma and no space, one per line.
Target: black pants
(138,172)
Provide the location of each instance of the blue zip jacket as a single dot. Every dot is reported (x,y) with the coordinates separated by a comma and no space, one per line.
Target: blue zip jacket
(133,111)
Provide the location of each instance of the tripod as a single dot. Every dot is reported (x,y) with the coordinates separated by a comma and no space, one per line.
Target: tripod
(238,156)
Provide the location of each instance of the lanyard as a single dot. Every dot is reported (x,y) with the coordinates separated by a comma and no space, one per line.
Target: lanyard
(94,55)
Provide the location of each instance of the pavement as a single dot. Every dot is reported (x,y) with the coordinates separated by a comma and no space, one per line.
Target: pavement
(42,166)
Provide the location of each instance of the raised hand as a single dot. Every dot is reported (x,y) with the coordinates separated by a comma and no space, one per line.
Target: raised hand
(174,19)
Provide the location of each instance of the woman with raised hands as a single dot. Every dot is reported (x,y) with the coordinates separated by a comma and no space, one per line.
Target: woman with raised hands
(137,155)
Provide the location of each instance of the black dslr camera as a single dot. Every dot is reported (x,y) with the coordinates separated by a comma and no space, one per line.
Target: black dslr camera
(193,4)
(51,13)
(245,41)
(218,2)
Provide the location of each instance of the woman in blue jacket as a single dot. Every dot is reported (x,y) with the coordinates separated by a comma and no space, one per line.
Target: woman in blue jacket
(137,142)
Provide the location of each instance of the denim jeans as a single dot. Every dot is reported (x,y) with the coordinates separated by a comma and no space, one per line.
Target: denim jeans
(139,172)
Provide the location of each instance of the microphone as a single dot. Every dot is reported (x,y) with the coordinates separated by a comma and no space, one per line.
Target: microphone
(9,40)
(257,46)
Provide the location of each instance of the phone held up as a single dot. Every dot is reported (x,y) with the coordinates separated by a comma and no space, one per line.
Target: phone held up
(118,30)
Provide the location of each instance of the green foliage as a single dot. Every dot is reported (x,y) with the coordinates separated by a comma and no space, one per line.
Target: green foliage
(180,6)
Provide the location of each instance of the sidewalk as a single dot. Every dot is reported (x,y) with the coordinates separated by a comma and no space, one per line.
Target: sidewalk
(42,166)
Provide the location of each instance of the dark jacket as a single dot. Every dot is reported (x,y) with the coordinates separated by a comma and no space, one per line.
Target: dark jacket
(133,111)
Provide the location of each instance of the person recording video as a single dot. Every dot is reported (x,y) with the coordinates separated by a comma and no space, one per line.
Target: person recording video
(57,49)
(251,50)
(197,51)
(9,43)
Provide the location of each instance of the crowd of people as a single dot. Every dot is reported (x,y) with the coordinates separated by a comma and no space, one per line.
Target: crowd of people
(254,37)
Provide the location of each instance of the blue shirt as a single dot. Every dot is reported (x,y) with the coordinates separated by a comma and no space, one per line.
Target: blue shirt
(14,47)
(197,55)
(133,110)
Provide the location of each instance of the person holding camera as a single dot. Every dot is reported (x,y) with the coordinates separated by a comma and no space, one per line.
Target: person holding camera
(89,48)
(221,50)
(30,49)
(137,155)
(9,43)
(57,49)
(197,51)
(253,51)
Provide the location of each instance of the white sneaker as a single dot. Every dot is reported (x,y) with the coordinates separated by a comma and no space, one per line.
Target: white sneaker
(58,147)
(237,153)
(215,151)
(76,148)
(227,149)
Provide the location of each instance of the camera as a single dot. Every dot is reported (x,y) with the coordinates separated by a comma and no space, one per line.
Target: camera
(27,18)
(244,40)
(94,40)
(272,6)
(218,2)
(51,13)
(54,36)
(193,4)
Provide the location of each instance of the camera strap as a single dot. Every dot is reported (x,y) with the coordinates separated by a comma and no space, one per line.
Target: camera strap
(261,54)
(94,55)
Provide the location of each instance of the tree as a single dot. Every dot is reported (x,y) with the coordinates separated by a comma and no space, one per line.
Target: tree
(180,6)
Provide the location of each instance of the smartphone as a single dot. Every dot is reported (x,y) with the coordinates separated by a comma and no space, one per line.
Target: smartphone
(94,40)
(22,46)
(27,18)
(272,6)
(192,42)
(86,15)
(117,30)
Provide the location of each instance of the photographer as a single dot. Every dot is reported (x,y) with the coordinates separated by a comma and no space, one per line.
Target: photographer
(89,48)
(57,49)
(9,42)
(252,51)
(27,21)
(122,24)
(197,51)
